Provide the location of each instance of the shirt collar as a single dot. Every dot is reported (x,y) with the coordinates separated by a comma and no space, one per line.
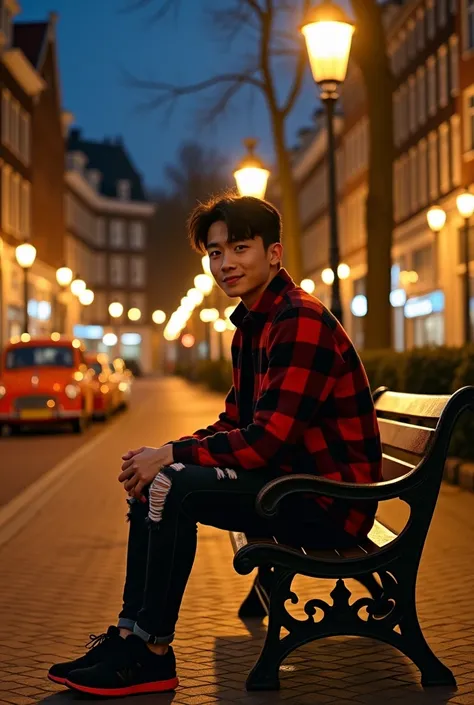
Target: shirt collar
(272,296)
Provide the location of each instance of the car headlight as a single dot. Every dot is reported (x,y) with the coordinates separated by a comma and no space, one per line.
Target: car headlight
(3,391)
(71,391)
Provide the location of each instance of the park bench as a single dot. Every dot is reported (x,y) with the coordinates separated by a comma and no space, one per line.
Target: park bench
(415,431)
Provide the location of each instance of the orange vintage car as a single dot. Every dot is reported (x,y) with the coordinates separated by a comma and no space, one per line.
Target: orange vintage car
(45,381)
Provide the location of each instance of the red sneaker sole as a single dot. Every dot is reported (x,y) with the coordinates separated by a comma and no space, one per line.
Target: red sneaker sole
(55,679)
(156,687)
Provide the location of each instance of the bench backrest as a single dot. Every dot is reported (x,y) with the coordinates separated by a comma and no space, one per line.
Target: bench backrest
(407,426)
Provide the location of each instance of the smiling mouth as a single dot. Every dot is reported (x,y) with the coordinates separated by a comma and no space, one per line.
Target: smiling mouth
(232,280)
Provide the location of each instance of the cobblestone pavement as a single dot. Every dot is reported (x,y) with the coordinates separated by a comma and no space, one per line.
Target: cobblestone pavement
(61,578)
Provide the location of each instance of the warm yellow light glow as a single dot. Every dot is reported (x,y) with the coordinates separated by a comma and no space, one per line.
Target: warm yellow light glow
(209,315)
(55,336)
(251,175)
(195,296)
(158,317)
(229,311)
(134,314)
(78,286)
(412,276)
(25,255)
(204,283)
(25,337)
(110,339)
(76,343)
(220,325)
(408,277)
(465,204)
(328,34)
(115,310)
(252,181)
(123,386)
(436,218)
(327,275)
(86,297)
(104,389)
(188,340)
(206,264)
(186,304)
(308,285)
(78,376)
(343,271)
(64,276)
(229,325)
(50,403)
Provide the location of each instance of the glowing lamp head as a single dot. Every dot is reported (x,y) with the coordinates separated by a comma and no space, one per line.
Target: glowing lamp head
(220,325)
(251,175)
(465,204)
(328,34)
(343,271)
(158,317)
(204,283)
(327,276)
(25,255)
(110,339)
(436,218)
(86,297)
(134,314)
(115,310)
(64,276)
(308,285)
(78,286)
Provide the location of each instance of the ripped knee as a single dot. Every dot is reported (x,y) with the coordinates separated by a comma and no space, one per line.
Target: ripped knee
(159,490)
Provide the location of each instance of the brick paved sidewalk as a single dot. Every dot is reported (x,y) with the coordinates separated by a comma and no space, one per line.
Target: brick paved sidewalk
(61,578)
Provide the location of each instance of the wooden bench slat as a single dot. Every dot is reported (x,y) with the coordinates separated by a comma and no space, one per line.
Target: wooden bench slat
(394,467)
(423,406)
(411,438)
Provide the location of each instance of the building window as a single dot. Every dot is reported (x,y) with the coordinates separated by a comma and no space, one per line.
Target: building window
(469,120)
(442,12)
(100,269)
(404,186)
(422,173)
(430,19)
(411,44)
(431,69)
(25,137)
(403,113)
(6,198)
(444,157)
(433,164)
(117,270)
(137,235)
(6,111)
(123,189)
(454,64)
(396,118)
(420,29)
(402,51)
(469,30)
(15,195)
(412,103)
(456,149)
(137,300)
(443,76)
(421,94)
(413,159)
(137,271)
(422,262)
(117,234)
(25,212)
(100,232)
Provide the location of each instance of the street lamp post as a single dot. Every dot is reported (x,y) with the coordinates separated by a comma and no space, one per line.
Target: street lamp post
(251,175)
(465,206)
(25,256)
(64,278)
(328,34)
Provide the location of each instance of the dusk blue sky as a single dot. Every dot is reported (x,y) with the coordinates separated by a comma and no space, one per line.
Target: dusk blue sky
(98,44)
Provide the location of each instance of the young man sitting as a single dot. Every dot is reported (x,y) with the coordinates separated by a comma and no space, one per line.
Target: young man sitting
(300,402)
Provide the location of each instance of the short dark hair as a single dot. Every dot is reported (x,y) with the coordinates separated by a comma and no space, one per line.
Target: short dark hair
(245,217)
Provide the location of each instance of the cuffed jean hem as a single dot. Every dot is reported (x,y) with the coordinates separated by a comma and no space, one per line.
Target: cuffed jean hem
(152,639)
(125,623)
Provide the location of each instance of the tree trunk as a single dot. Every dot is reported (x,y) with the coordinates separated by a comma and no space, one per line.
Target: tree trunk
(371,55)
(289,199)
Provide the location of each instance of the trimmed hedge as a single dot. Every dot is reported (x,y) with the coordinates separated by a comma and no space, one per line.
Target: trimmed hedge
(428,370)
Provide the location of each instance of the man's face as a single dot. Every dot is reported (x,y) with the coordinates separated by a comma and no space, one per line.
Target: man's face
(240,268)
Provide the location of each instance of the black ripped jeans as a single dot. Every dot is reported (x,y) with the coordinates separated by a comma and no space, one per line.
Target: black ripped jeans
(161,553)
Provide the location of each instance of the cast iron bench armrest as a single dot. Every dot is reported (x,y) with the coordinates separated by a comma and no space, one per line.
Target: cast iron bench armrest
(273,492)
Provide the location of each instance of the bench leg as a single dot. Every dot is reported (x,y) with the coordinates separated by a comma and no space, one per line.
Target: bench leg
(255,605)
(414,645)
(264,675)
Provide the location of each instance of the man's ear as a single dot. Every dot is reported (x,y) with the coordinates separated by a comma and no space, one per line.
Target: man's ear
(276,253)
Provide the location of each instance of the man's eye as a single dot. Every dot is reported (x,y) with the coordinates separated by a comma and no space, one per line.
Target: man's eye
(241,247)
(214,252)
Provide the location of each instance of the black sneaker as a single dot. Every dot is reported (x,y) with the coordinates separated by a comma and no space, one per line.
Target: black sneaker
(130,671)
(98,646)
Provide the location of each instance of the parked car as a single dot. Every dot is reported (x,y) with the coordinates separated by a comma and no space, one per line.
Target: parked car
(45,381)
(108,394)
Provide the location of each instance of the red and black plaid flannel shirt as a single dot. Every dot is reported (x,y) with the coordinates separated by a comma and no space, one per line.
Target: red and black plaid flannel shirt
(313,410)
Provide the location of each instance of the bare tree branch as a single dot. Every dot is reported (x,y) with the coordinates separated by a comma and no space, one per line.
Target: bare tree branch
(159,14)
(299,71)
(255,6)
(178,91)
